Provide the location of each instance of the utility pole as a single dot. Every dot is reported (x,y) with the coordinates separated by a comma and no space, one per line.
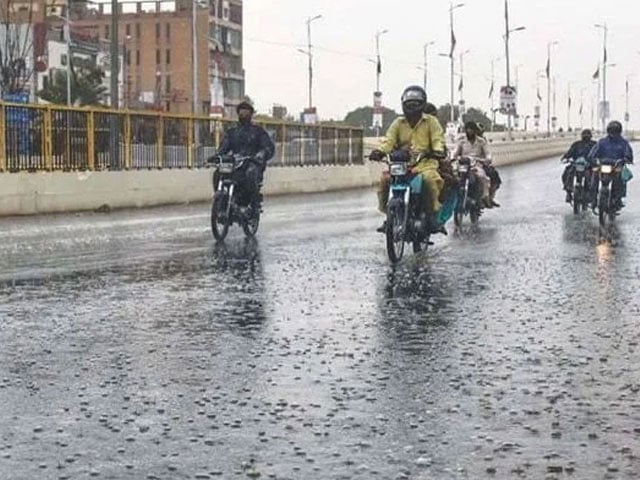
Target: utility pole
(452,7)
(115,57)
(569,107)
(549,45)
(426,65)
(507,34)
(604,113)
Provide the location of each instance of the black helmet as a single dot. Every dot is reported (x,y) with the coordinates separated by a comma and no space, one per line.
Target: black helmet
(245,104)
(586,133)
(430,109)
(414,101)
(614,128)
(471,125)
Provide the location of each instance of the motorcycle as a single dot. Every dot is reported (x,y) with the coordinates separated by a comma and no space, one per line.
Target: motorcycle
(469,191)
(229,202)
(407,220)
(580,191)
(606,203)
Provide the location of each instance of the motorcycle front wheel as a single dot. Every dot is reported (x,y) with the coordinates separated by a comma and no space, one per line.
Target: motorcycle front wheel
(220,217)
(395,232)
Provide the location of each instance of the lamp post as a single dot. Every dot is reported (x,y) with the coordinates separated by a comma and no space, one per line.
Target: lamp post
(452,8)
(507,35)
(310,55)
(627,116)
(604,112)
(378,65)
(461,107)
(549,45)
(114,54)
(426,63)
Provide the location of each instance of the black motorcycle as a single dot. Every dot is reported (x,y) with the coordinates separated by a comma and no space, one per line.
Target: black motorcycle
(608,203)
(231,203)
(580,192)
(469,191)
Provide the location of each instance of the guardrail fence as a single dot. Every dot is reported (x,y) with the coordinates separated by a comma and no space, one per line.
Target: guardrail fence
(52,137)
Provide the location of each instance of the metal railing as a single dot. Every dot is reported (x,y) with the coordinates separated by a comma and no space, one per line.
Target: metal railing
(56,138)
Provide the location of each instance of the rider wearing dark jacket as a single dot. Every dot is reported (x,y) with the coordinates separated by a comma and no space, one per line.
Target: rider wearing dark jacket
(249,139)
(613,147)
(579,149)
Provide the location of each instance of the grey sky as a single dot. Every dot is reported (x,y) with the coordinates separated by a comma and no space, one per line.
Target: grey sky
(278,74)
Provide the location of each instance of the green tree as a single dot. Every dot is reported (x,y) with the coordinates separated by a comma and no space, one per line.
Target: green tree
(363,117)
(472,114)
(86,87)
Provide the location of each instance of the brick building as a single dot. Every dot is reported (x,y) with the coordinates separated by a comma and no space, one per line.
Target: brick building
(155,38)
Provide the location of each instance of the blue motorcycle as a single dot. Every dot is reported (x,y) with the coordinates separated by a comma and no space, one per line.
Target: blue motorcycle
(407,218)
(580,194)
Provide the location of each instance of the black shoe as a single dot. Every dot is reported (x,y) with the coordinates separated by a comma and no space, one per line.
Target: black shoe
(495,204)
(569,197)
(439,229)
(382,228)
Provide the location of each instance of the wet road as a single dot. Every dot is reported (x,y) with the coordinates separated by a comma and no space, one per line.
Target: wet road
(132,347)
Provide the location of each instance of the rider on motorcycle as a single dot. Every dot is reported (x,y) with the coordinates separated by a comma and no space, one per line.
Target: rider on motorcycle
(248,139)
(473,145)
(411,135)
(612,147)
(579,149)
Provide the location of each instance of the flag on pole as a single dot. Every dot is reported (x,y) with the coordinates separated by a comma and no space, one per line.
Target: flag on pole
(569,101)
(596,75)
(461,85)
(453,43)
(581,108)
(491,89)
(379,66)
(605,55)
(538,94)
(548,69)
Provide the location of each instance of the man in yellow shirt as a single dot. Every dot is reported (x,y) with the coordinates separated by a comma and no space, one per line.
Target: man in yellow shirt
(415,134)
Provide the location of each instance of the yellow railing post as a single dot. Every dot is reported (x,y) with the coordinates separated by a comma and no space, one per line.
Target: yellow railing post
(91,141)
(319,144)
(160,142)
(284,144)
(48,139)
(3,139)
(190,140)
(127,141)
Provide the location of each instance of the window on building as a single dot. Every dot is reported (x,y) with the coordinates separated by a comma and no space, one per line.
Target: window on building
(168,31)
(157,30)
(127,58)
(158,57)
(127,30)
(137,57)
(138,32)
(167,59)
(235,13)
(106,31)
(63,60)
(167,84)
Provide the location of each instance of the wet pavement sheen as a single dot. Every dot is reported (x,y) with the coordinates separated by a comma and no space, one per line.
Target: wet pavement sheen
(134,347)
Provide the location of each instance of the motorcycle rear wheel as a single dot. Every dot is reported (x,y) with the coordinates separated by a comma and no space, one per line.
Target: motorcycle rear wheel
(251,225)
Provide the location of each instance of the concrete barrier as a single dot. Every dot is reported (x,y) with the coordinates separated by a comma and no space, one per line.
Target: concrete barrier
(50,192)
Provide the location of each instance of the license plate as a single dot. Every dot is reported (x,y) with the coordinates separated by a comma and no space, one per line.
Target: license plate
(226,167)
(606,169)
(398,169)
(463,169)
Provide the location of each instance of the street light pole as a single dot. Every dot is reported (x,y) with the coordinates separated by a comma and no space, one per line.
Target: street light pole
(378,60)
(461,107)
(626,103)
(426,64)
(508,32)
(194,59)
(67,26)
(452,58)
(310,55)
(114,54)
(549,45)
(604,112)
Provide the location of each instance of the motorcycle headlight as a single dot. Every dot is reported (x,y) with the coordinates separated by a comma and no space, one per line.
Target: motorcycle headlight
(606,169)
(226,168)
(398,169)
